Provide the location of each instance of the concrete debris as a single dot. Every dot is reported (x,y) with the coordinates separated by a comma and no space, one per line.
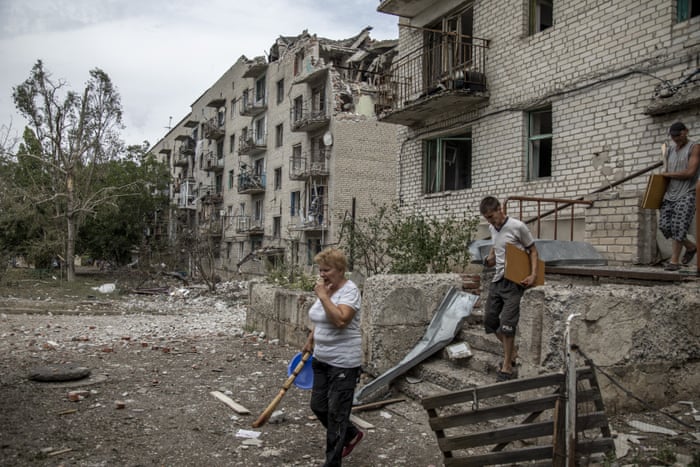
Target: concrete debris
(106,288)
(241,433)
(458,351)
(649,428)
(277,416)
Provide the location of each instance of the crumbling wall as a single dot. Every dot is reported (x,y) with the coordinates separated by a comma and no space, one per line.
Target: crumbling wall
(647,338)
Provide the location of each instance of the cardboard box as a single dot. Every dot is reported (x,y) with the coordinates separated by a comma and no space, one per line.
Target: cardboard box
(654,194)
(518,265)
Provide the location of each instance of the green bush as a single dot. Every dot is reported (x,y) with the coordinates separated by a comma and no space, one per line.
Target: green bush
(399,242)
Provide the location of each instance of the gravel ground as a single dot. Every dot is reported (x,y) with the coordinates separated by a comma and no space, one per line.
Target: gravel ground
(154,361)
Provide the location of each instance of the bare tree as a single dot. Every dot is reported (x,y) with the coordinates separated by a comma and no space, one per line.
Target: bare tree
(69,137)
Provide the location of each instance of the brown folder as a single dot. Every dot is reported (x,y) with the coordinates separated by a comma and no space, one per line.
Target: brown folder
(518,265)
(656,188)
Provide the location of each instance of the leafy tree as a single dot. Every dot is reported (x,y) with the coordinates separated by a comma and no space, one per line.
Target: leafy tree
(391,241)
(134,219)
(68,142)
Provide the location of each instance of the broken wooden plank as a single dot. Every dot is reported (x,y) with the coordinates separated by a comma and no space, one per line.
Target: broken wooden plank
(238,408)
(59,452)
(377,405)
(365,425)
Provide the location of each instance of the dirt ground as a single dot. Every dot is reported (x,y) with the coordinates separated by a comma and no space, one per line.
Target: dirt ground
(155,361)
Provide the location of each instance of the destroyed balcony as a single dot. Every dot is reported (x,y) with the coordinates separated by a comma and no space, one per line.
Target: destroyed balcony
(182,160)
(212,196)
(214,128)
(310,164)
(312,71)
(251,105)
(316,220)
(249,225)
(435,80)
(308,117)
(212,162)
(252,146)
(256,67)
(251,183)
(212,227)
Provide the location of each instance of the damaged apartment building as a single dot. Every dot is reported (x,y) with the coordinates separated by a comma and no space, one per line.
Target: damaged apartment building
(280,150)
(542,99)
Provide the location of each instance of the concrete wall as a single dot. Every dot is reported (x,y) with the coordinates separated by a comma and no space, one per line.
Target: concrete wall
(647,338)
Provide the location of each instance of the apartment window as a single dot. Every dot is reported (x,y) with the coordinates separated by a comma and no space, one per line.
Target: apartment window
(229,246)
(298,109)
(297,162)
(541,15)
(279,135)
(230,179)
(318,99)
(241,249)
(233,108)
(280,91)
(313,247)
(278,178)
(259,129)
(258,208)
(540,143)
(448,48)
(447,164)
(294,203)
(687,9)
(260,90)
(276,227)
(232,143)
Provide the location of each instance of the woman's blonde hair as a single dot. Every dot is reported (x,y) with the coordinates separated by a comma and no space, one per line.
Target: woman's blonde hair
(332,257)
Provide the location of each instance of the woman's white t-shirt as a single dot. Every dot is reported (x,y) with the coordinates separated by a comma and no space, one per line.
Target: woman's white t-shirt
(341,347)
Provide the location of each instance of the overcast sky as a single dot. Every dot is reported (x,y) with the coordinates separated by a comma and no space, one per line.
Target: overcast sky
(160,54)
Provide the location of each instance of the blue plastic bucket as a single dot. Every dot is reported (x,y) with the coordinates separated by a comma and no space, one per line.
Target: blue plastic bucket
(305,378)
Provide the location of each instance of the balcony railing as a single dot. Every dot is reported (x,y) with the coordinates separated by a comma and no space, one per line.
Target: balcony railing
(430,79)
(252,146)
(214,128)
(316,219)
(251,183)
(308,117)
(314,163)
(252,106)
(249,224)
(212,227)
(212,162)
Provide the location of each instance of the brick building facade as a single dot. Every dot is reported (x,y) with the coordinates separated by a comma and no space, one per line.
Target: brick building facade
(538,98)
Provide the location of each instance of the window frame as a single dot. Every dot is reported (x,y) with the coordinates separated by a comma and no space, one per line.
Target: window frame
(435,162)
(687,9)
(534,146)
(280,91)
(279,135)
(535,16)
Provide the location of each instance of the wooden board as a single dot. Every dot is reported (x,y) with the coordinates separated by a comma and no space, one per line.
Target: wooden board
(518,265)
(654,193)
(228,401)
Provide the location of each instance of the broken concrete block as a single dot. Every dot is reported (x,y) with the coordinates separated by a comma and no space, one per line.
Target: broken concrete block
(458,351)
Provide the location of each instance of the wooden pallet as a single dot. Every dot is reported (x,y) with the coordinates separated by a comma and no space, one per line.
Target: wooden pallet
(453,415)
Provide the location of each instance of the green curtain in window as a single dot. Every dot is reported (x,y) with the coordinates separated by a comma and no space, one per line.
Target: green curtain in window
(682,10)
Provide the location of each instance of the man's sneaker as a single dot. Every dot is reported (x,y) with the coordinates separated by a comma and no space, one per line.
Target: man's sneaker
(347,449)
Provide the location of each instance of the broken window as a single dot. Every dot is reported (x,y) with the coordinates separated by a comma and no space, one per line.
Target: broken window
(541,15)
(230,179)
(687,9)
(298,63)
(233,108)
(280,91)
(279,135)
(318,99)
(313,247)
(260,91)
(258,209)
(232,143)
(447,164)
(540,143)
(448,45)
(259,129)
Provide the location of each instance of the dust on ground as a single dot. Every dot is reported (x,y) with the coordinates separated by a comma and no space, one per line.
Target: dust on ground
(156,358)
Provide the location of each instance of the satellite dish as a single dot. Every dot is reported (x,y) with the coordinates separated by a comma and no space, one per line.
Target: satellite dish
(328,138)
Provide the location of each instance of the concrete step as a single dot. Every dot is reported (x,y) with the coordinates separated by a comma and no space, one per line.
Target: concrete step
(479,340)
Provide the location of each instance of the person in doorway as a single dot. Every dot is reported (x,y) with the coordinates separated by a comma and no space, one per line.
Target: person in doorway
(503,303)
(336,344)
(678,205)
